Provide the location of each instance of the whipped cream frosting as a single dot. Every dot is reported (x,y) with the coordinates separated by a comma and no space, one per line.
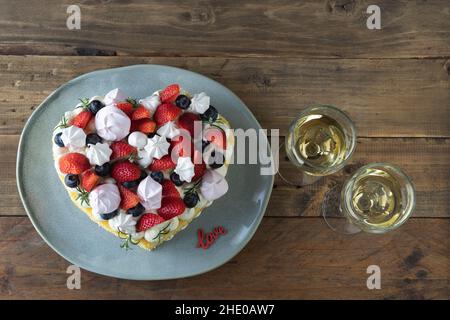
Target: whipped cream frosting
(185,168)
(151,102)
(112,123)
(114,96)
(137,139)
(98,153)
(169,130)
(73,138)
(150,193)
(123,222)
(105,198)
(213,185)
(157,147)
(200,102)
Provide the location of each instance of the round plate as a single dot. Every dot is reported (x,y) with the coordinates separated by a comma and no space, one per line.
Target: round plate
(79,240)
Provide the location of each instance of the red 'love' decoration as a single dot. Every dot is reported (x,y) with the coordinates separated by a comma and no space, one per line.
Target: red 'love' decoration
(206,240)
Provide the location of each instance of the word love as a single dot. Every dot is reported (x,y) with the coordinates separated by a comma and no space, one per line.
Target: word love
(205,240)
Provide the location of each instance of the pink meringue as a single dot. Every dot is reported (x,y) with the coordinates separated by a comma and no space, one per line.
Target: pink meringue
(114,96)
(150,193)
(213,185)
(105,198)
(112,123)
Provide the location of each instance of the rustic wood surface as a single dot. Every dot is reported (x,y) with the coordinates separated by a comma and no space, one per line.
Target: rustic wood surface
(278,57)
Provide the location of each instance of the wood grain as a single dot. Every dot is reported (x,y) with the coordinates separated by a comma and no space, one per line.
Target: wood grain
(331,28)
(385,98)
(287,258)
(423,159)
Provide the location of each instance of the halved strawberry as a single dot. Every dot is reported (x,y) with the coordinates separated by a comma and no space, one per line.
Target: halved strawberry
(171,207)
(170,93)
(128,198)
(169,189)
(186,121)
(199,171)
(121,149)
(88,180)
(216,136)
(73,163)
(166,112)
(126,107)
(82,119)
(145,125)
(147,221)
(140,113)
(165,163)
(125,171)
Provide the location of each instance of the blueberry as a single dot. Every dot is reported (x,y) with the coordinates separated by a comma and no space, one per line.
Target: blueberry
(94,106)
(57,139)
(107,216)
(71,180)
(205,143)
(93,138)
(176,179)
(136,211)
(151,135)
(157,176)
(131,184)
(210,114)
(217,160)
(103,170)
(182,101)
(190,199)
(143,175)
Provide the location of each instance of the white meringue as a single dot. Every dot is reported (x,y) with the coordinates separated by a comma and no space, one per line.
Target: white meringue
(144,158)
(137,139)
(124,223)
(200,102)
(98,153)
(73,138)
(157,147)
(150,193)
(213,185)
(114,96)
(169,130)
(185,168)
(105,198)
(151,102)
(112,123)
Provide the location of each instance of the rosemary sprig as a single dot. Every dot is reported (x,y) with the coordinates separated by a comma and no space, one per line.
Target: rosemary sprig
(84,102)
(128,240)
(162,232)
(62,124)
(194,187)
(83,196)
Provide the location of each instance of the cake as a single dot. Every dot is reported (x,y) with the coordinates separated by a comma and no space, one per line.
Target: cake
(143,169)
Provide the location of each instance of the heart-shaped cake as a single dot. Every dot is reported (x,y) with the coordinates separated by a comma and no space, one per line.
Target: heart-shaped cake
(143,169)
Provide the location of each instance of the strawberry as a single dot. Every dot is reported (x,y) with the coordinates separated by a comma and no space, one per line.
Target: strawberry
(73,163)
(171,207)
(169,189)
(82,119)
(121,149)
(128,198)
(186,121)
(216,136)
(165,163)
(88,180)
(170,93)
(125,171)
(126,107)
(140,112)
(166,112)
(145,125)
(147,221)
(181,148)
(199,171)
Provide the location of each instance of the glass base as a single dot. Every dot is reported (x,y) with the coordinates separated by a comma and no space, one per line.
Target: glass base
(332,213)
(291,174)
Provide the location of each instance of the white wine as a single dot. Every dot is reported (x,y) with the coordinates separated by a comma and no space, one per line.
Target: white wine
(317,142)
(378,198)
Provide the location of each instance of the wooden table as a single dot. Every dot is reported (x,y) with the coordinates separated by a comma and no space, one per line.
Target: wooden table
(278,56)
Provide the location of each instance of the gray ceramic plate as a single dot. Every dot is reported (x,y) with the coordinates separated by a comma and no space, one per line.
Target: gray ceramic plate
(79,240)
